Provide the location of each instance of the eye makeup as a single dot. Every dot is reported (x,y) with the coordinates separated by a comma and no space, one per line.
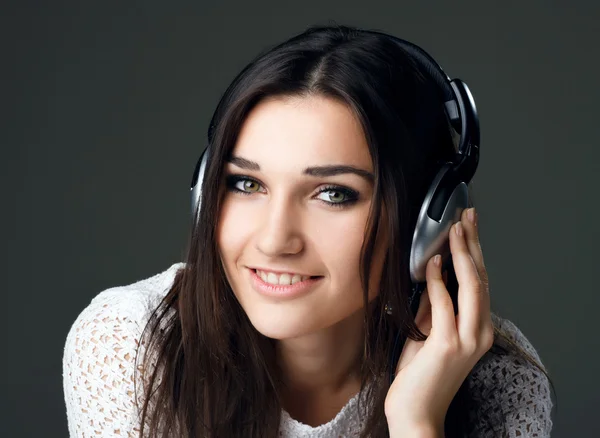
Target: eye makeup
(239,184)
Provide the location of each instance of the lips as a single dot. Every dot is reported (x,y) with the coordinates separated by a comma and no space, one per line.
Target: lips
(282,290)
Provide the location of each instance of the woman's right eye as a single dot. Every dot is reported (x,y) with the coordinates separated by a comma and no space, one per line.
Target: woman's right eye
(242,184)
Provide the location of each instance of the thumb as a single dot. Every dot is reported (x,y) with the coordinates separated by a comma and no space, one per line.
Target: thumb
(442,310)
(423,321)
(423,316)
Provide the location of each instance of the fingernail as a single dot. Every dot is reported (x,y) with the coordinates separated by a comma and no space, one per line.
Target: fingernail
(458,229)
(436,260)
(471,215)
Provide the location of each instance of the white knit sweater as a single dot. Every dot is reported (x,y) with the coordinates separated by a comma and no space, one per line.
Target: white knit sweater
(98,373)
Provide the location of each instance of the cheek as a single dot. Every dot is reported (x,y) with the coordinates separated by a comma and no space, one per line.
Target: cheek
(338,240)
(232,232)
(341,247)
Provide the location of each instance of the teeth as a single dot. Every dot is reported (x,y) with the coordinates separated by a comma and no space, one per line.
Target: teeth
(272,278)
(284,279)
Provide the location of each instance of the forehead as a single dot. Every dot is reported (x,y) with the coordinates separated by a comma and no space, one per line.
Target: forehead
(303,131)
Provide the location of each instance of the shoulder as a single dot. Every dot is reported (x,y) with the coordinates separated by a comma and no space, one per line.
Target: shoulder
(135,299)
(512,395)
(118,313)
(99,356)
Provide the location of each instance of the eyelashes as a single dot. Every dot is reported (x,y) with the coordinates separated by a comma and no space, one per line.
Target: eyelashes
(349,196)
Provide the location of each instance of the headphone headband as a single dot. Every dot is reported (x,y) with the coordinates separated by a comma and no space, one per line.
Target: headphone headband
(458,101)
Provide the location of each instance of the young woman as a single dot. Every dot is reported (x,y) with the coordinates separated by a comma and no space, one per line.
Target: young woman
(296,288)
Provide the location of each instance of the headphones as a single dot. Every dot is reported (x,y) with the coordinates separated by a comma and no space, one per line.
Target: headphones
(447,195)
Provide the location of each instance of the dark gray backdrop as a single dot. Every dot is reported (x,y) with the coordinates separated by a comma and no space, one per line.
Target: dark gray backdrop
(105,110)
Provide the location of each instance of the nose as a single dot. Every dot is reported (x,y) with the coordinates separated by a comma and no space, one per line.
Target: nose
(280,231)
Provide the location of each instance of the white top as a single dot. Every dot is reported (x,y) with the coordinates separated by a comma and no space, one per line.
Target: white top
(98,373)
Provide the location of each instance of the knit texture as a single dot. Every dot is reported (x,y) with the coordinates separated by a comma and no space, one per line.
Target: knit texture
(512,397)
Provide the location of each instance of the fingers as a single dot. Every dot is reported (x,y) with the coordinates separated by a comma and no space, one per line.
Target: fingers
(423,316)
(469,222)
(472,326)
(442,310)
(473,300)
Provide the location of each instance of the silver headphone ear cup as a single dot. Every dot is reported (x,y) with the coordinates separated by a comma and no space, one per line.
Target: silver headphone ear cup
(430,236)
(196,185)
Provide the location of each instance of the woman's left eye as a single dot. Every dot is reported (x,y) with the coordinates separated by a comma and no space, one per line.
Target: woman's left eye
(338,196)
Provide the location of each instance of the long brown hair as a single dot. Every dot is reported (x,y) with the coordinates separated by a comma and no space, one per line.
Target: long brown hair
(207,372)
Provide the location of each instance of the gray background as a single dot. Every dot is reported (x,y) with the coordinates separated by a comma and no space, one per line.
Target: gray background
(105,109)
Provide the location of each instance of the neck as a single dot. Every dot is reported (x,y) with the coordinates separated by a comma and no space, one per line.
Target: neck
(321,371)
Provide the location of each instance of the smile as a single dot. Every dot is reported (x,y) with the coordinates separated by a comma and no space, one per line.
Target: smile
(281,285)
(285,279)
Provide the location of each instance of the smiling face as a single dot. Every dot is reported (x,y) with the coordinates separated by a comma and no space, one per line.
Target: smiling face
(299,189)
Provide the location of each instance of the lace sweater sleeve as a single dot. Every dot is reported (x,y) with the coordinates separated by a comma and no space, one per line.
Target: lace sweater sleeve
(98,366)
(99,361)
(513,396)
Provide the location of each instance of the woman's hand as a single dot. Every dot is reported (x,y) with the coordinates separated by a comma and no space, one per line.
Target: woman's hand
(430,373)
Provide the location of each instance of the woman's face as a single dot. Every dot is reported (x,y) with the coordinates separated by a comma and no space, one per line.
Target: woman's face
(278,217)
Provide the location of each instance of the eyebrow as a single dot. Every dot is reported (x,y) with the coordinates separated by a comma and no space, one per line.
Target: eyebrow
(318,171)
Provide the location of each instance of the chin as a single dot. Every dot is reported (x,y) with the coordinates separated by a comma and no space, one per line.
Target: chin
(283,328)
